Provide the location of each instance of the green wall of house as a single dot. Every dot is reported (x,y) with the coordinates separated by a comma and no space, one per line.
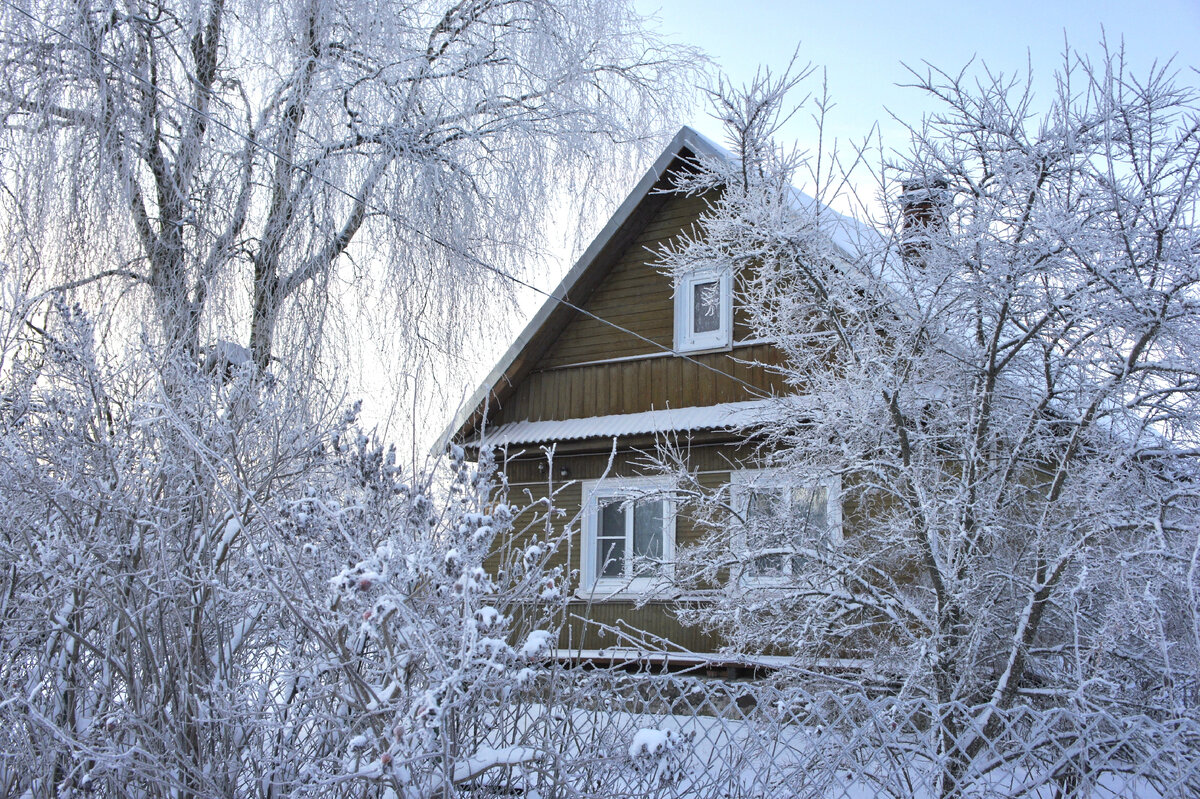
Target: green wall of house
(528,486)
(595,369)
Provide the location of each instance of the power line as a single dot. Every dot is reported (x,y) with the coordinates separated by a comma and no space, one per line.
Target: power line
(372,206)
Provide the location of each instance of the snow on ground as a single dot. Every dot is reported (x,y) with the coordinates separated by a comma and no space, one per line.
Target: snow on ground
(691,755)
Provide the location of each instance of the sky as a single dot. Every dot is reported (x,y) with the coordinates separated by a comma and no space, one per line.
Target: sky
(863,45)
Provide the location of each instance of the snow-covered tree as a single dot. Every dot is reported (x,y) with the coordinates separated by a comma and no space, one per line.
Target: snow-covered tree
(432,639)
(205,178)
(200,174)
(1002,376)
(224,157)
(168,622)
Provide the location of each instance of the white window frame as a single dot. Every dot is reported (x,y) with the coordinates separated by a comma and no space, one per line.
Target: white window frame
(744,481)
(631,488)
(686,340)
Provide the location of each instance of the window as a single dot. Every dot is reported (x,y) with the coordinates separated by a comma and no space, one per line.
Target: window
(704,310)
(628,533)
(783,521)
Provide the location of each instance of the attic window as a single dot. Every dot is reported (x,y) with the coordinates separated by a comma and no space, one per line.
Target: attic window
(704,311)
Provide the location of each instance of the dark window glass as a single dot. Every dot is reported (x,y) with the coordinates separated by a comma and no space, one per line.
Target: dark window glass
(647,535)
(610,543)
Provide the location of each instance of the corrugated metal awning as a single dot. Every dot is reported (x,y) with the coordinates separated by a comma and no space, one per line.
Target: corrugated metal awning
(729,415)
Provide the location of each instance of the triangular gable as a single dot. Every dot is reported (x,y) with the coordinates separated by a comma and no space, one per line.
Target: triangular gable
(846,236)
(591,268)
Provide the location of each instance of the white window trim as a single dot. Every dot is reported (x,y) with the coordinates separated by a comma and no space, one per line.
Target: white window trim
(745,479)
(716,340)
(626,587)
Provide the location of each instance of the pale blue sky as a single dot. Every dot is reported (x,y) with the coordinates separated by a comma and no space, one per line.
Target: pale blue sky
(862,44)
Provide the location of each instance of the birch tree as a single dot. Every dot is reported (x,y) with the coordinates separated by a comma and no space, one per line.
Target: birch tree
(1002,374)
(166,617)
(226,158)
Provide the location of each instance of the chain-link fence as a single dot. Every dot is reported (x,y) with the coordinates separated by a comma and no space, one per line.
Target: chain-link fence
(610,733)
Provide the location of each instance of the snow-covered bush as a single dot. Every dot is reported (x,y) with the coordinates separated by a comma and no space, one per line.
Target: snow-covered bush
(660,756)
(220,585)
(147,620)
(435,637)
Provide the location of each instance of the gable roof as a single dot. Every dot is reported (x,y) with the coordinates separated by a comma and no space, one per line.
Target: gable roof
(561,306)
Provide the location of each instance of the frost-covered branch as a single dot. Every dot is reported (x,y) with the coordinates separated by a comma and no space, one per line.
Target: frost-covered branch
(995,371)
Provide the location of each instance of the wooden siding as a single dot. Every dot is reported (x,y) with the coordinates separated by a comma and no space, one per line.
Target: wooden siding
(713,464)
(643,385)
(634,295)
(567,383)
(578,367)
(655,617)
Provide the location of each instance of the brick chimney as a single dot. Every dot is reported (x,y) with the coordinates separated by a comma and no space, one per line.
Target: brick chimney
(924,205)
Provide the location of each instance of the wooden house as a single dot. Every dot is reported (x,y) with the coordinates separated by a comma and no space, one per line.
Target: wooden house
(619,355)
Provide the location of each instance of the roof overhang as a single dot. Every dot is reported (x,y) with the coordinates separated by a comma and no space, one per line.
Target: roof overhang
(727,416)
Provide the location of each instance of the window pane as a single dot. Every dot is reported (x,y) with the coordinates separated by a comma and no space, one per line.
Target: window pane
(706,306)
(610,541)
(612,520)
(648,534)
(809,507)
(768,566)
(764,504)
(610,557)
(782,523)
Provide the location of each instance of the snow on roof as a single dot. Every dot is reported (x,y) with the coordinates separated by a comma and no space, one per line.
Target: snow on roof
(853,237)
(729,415)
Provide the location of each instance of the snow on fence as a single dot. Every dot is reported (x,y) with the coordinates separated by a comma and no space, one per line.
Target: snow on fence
(591,733)
(607,733)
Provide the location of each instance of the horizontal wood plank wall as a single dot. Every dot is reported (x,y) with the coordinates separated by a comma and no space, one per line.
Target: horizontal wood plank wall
(636,296)
(565,383)
(719,456)
(713,464)
(529,487)
(656,619)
